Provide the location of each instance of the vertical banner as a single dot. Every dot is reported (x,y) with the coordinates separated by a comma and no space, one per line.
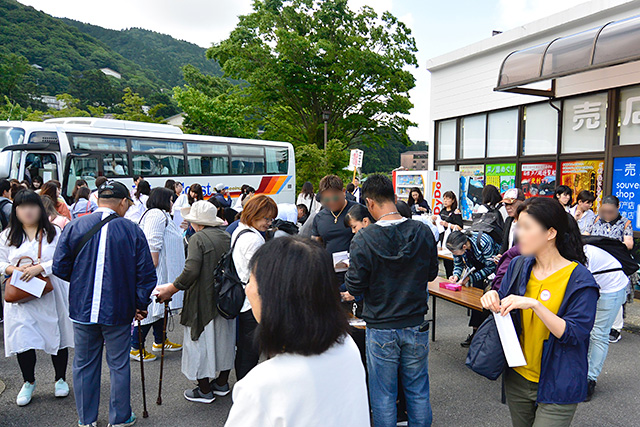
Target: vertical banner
(538,179)
(584,175)
(503,176)
(471,184)
(626,187)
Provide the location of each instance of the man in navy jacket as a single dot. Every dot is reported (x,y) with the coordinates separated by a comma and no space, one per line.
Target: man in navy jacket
(111,280)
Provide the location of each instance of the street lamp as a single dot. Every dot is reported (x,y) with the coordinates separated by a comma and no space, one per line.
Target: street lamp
(325,117)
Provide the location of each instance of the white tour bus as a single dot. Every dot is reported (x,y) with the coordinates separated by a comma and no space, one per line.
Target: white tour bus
(68,149)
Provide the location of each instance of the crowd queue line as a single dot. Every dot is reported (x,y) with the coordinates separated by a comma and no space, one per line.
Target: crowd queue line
(391,259)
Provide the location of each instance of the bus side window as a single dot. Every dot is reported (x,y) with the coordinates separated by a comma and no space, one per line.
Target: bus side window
(115,164)
(82,168)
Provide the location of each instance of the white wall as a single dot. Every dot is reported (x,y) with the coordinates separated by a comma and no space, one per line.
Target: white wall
(462,82)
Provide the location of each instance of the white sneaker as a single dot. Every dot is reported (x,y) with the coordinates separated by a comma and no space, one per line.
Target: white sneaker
(62,388)
(26,393)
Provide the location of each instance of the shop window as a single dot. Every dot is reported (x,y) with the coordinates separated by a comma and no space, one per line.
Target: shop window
(584,123)
(503,133)
(629,120)
(447,140)
(473,136)
(540,130)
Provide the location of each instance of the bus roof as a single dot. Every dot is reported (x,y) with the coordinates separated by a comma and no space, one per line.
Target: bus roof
(83,125)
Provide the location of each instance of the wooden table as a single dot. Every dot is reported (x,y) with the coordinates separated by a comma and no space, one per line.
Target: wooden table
(467,297)
(444,254)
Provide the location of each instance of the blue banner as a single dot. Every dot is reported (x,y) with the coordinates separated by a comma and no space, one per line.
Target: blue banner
(626,187)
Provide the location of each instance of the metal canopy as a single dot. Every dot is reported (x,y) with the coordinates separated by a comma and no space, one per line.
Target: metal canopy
(614,43)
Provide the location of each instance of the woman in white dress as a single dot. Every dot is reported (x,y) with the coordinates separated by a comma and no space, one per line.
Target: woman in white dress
(308,198)
(42,323)
(140,197)
(167,250)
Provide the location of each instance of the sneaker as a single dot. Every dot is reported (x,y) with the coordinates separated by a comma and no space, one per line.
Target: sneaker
(466,343)
(196,395)
(131,421)
(591,388)
(403,420)
(93,424)
(146,356)
(614,336)
(26,393)
(61,388)
(220,390)
(168,346)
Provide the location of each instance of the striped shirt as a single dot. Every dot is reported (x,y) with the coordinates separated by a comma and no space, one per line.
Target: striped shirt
(478,256)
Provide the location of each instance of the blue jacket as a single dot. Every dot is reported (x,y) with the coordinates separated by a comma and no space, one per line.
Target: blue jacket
(564,366)
(113,274)
(226,202)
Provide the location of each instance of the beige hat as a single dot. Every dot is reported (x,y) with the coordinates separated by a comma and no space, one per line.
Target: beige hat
(202,213)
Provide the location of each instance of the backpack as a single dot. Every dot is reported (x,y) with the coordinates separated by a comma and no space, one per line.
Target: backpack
(616,249)
(3,219)
(490,222)
(228,286)
(86,210)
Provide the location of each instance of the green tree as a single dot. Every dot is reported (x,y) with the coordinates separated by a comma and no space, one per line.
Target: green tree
(312,163)
(132,108)
(212,106)
(303,57)
(93,87)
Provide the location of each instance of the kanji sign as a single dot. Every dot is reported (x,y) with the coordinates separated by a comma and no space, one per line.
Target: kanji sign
(355,160)
(626,187)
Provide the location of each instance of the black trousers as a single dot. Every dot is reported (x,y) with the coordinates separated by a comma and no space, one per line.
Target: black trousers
(27,362)
(248,352)
(448,267)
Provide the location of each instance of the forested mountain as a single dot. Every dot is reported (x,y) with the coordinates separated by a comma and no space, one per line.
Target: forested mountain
(63,52)
(160,53)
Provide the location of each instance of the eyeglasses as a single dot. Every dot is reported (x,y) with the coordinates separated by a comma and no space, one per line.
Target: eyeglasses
(331,199)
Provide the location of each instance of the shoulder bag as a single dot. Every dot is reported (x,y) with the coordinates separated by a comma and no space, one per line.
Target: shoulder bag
(16,295)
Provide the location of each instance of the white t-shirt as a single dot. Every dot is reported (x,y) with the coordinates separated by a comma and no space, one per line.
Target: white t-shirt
(328,389)
(600,260)
(243,251)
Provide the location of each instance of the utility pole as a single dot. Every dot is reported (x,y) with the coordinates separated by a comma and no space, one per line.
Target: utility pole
(325,117)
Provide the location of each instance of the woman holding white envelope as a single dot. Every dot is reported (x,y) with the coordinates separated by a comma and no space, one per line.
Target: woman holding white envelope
(42,323)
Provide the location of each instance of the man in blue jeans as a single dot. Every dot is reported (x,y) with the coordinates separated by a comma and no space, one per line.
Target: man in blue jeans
(391,264)
(107,261)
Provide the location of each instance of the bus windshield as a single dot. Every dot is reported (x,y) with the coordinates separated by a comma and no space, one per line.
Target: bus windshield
(11,136)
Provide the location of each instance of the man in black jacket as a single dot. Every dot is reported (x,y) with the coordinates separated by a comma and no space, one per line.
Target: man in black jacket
(391,263)
(512,198)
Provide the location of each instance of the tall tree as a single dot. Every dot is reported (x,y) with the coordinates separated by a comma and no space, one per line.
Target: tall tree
(303,57)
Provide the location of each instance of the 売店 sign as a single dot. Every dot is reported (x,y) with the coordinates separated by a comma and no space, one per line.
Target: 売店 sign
(626,187)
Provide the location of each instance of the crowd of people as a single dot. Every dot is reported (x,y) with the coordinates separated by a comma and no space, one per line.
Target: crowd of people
(305,270)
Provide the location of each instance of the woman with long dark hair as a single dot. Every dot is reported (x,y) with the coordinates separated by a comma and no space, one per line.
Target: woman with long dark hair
(167,251)
(307,197)
(303,331)
(564,195)
(450,219)
(140,198)
(82,205)
(417,203)
(42,323)
(52,190)
(553,301)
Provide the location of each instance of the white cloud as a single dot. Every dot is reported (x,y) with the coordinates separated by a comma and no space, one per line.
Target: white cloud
(379,6)
(519,12)
(197,21)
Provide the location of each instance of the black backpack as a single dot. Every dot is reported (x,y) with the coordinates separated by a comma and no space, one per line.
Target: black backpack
(286,226)
(229,290)
(3,219)
(490,222)
(616,249)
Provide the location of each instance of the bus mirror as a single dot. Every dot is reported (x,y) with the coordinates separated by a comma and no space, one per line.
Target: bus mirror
(5,164)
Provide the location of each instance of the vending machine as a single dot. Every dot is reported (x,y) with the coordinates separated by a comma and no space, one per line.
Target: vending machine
(433,185)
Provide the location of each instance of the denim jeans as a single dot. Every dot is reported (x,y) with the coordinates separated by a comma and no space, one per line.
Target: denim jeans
(393,352)
(608,307)
(158,326)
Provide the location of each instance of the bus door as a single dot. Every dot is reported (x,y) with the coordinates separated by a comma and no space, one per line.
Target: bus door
(33,159)
(80,166)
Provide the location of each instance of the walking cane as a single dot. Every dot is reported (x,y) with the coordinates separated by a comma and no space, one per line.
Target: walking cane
(164,339)
(145,414)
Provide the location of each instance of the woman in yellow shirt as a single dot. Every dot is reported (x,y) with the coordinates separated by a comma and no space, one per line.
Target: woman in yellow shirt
(553,303)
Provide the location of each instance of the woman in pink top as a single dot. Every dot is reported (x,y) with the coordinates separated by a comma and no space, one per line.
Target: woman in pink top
(54,216)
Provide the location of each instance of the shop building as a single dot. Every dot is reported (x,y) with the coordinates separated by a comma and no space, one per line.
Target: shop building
(556,101)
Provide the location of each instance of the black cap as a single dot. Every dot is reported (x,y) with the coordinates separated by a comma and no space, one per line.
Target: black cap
(113,190)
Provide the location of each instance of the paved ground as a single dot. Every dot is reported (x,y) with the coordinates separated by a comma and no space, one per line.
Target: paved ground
(459,397)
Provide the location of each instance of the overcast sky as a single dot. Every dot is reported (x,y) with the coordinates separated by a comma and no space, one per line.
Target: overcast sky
(438,26)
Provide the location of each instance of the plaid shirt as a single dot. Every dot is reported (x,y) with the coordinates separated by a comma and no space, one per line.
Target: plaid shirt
(483,253)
